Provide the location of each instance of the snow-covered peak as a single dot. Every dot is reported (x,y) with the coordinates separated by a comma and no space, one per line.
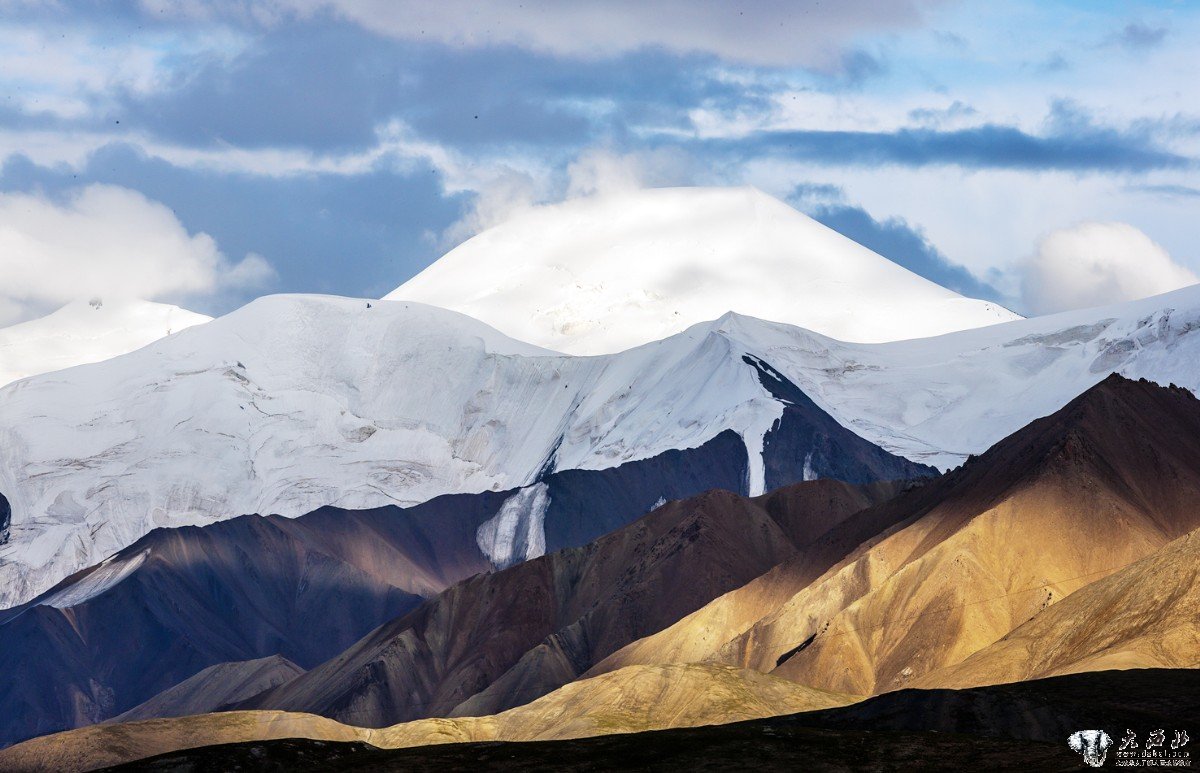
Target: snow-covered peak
(293,402)
(603,274)
(87,331)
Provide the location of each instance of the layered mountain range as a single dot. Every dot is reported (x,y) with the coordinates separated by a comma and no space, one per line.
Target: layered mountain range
(388,523)
(1068,547)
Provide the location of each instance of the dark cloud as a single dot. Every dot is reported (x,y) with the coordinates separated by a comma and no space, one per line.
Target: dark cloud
(858,66)
(1137,36)
(329,86)
(1056,62)
(806,195)
(1087,148)
(1166,191)
(903,244)
(938,116)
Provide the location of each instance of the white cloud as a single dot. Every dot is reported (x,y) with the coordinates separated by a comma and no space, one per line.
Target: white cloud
(595,171)
(497,200)
(69,72)
(598,171)
(107,241)
(1093,264)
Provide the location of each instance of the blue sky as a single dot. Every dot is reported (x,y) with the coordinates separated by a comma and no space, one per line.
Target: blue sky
(206,153)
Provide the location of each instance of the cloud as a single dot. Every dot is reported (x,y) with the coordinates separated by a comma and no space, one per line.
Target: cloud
(1094,264)
(1137,36)
(496,200)
(937,117)
(1166,190)
(54,68)
(598,171)
(808,33)
(1086,148)
(108,241)
(594,172)
(1054,63)
(901,243)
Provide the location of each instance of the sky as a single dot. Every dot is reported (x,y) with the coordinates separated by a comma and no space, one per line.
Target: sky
(1045,155)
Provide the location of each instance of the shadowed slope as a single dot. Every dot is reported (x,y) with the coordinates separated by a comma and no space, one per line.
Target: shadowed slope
(185,599)
(500,640)
(215,687)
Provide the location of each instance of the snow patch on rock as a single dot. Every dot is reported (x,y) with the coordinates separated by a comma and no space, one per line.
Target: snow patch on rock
(105,577)
(518,531)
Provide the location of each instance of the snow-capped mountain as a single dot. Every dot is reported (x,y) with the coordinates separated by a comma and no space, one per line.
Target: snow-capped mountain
(937,400)
(294,402)
(87,331)
(599,275)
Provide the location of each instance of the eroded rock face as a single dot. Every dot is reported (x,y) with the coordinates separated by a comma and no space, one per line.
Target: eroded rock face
(5,519)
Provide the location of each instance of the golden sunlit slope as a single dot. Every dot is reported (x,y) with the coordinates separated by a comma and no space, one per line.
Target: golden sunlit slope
(1109,479)
(100,746)
(630,700)
(1144,616)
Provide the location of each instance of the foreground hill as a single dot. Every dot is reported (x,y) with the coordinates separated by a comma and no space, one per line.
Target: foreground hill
(604,274)
(83,332)
(976,554)
(1018,726)
(633,700)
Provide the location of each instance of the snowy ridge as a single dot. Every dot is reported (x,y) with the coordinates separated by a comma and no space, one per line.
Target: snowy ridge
(83,332)
(599,275)
(293,402)
(937,400)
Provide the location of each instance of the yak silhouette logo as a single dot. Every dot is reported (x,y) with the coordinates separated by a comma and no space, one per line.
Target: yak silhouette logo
(1092,744)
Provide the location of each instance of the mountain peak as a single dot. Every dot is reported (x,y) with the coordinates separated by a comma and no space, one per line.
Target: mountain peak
(84,331)
(606,273)
(1120,431)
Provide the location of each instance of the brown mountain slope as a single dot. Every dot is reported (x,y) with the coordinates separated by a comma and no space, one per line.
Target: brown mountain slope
(529,629)
(631,700)
(1107,480)
(1144,616)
